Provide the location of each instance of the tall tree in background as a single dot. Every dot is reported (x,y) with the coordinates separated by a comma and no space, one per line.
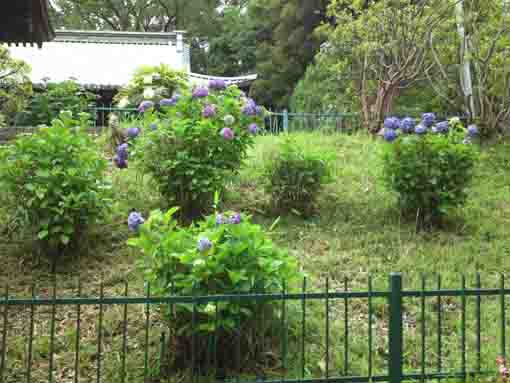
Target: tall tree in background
(286,44)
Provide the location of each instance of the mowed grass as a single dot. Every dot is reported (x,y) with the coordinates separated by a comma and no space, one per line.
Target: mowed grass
(357,232)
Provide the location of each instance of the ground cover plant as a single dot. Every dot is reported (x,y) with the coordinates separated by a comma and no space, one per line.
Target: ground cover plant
(357,230)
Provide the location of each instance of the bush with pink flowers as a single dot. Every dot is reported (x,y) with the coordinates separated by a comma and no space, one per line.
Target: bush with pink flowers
(195,142)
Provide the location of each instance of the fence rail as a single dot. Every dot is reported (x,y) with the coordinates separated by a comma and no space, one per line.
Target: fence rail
(395,365)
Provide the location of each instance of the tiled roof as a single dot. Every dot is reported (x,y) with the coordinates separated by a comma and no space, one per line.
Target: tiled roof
(25,22)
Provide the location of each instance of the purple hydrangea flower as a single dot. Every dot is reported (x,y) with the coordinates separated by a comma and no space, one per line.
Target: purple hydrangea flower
(227,134)
(249,108)
(391,123)
(203,244)
(145,105)
(428,119)
(229,120)
(218,84)
(407,125)
(132,132)
(434,130)
(219,219)
(472,130)
(135,219)
(259,110)
(442,127)
(420,129)
(253,128)
(168,101)
(389,134)
(208,111)
(200,92)
(153,126)
(121,163)
(122,151)
(235,219)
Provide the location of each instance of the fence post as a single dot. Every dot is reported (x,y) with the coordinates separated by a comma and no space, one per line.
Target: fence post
(285,120)
(395,329)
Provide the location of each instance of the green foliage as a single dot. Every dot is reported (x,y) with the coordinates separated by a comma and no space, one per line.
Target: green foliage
(295,176)
(187,155)
(54,182)
(286,44)
(430,173)
(224,254)
(15,85)
(47,104)
(162,80)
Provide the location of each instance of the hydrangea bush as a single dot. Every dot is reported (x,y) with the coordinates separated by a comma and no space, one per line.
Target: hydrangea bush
(195,142)
(295,176)
(429,164)
(223,254)
(55,182)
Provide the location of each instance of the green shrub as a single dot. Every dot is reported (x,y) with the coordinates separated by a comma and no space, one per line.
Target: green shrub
(430,171)
(193,144)
(162,80)
(47,104)
(54,182)
(295,176)
(224,254)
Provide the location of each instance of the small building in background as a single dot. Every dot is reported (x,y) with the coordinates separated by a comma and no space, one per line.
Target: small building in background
(104,61)
(25,22)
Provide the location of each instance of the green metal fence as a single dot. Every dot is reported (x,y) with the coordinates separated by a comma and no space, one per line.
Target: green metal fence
(325,122)
(400,359)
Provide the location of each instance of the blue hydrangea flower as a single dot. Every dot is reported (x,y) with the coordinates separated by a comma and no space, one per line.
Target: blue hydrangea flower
(389,134)
(203,244)
(428,119)
(442,127)
(227,134)
(434,130)
(208,111)
(253,128)
(235,219)
(122,151)
(420,129)
(121,163)
(135,219)
(153,126)
(219,219)
(249,108)
(407,125)
(229,120)
(145,105)
(168,101)
(472,130)
(132,132)
(217,84)
(391,123)
(200,92)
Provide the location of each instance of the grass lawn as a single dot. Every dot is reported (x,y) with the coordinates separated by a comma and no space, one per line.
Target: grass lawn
(357,232)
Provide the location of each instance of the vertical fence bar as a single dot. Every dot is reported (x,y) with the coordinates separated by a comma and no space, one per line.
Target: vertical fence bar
(478,315)
(285,121)
(346,329)
(439,325)
(124,336)
(147,325)
(31,336)
(284,330)
(503,315)
(327,328)
(463,328)
(77,343)
(193,336)
(423,329)
(162,355)
(395,329)
(4,333)
(370,327)
(238,357)
(100,330)
(52,328)
(303,328)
